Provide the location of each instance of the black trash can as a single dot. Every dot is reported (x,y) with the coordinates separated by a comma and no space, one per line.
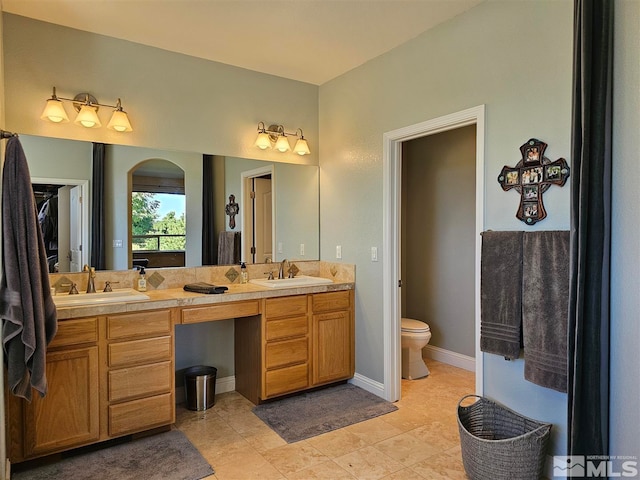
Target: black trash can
(200,387)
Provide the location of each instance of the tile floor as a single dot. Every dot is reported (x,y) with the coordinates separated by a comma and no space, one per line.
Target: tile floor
(418,441)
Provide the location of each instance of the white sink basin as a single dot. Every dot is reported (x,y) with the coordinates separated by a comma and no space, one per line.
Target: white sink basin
(98,298)
(299,281)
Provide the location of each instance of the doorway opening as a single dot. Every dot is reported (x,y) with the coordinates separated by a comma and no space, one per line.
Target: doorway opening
(392,159)
(63,213)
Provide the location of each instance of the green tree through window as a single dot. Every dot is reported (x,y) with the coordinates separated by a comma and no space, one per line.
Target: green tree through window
(150,231)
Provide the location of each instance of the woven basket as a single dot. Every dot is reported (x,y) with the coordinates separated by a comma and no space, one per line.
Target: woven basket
(500,444)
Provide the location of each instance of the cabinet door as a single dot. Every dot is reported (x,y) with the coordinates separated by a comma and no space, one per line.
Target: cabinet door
(332,347)
(68,415)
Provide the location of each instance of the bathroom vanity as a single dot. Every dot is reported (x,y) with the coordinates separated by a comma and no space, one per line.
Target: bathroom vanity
(110,368)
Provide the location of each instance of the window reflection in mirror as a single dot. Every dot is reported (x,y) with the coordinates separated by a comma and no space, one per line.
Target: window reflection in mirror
(158,223)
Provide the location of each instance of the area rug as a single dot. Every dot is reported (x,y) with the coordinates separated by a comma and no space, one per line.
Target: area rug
(313,413)
(165,456)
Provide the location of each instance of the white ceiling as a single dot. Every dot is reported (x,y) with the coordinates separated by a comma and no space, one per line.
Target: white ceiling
(312,41)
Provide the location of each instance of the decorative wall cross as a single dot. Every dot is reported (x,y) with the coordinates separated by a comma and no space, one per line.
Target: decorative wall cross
(531,177)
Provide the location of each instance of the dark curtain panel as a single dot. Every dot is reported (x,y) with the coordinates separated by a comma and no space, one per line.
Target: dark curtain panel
(97,216)
(209,240)
(590,228)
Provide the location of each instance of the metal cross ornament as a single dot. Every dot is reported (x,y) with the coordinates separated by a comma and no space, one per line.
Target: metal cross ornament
(531,177)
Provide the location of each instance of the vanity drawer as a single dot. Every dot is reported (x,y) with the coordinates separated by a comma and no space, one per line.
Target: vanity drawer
(285,306)
(278,354)
(139,324)
(141,414)
(224,311)
(324,302)
(286,327)
(75,332)
(140,381)
(149,350)
(285,380)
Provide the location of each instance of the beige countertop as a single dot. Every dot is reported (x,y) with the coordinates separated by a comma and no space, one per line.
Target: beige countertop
(177,297)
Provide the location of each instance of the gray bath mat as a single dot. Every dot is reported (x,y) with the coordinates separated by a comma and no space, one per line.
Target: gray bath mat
(165,456)
(310,414)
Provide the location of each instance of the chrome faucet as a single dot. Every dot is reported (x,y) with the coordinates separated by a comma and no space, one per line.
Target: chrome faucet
(281,270)
(91,285)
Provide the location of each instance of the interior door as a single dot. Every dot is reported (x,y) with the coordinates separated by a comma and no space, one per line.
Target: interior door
(263,219)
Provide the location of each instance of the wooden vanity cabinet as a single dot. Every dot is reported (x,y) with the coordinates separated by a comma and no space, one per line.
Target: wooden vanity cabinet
(333,352)
(107,376)
(69,415)
(286,345)
(304,341)
(140,373)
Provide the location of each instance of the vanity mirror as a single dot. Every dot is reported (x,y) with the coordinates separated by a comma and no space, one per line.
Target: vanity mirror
(294,202)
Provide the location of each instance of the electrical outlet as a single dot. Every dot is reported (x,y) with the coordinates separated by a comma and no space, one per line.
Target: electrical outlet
(279,247)
(338,251)
(302,249)
(374,254)
(117,244)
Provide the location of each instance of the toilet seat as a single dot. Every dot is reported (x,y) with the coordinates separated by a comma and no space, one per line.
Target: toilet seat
(410,325)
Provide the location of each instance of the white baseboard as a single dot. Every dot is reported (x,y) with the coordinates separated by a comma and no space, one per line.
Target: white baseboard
(223,385)
(451,358)
(367,384)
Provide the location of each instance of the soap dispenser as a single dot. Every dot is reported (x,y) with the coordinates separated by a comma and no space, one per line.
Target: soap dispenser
(142,281)
(244,276)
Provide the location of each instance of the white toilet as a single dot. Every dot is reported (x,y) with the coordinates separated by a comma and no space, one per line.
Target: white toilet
(414,336)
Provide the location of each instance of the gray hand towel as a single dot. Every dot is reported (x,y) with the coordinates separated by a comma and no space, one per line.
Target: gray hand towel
(545,287)
(228,248)
(501,293)
(29,317)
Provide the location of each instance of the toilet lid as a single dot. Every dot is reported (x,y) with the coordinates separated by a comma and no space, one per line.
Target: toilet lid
(412,325)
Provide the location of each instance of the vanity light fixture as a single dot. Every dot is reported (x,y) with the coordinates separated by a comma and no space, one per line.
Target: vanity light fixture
(87,106)
(276,137)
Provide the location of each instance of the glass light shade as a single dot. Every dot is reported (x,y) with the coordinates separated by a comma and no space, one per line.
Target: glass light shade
(119,122)
(302,148)
(263,141)
(87,117)
(282,144)
(54,111)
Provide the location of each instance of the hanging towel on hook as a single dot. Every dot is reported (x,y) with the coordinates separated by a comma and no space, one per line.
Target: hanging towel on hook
(545,306)
(501,293)
(29,318)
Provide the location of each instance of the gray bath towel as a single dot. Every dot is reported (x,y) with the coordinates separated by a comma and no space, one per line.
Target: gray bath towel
(545,296)
(229,248)
(29,318)
(501,293)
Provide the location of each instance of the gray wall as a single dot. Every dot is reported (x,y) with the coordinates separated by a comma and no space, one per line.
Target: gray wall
(625,235)
(174,101)
(438,236)
(57,158)
(483,56)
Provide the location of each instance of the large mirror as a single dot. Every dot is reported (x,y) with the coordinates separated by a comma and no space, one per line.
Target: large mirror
(293,202)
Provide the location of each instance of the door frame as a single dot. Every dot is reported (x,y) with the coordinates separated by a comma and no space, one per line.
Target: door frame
(245,177)
(392,190)
(84,206)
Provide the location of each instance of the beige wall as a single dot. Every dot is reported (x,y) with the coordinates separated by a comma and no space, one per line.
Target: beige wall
(438,236)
